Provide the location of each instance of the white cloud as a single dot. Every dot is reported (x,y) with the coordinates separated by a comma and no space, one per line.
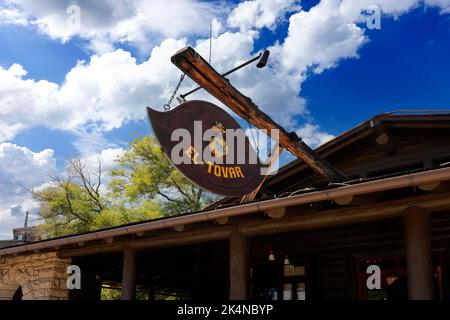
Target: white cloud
(334,30)
(256,14)
(21,170)
(22,100)
(444,5)
(91,141)
(23,167)
(106,92)
(8,130)
(313,136)
(12,16)
(141,22)
(107,157)
(319,38)
(145,23)
(111,89)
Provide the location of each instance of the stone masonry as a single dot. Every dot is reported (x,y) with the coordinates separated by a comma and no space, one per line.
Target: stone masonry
(42,276)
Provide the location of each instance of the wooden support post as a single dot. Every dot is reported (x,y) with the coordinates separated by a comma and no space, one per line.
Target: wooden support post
(239,266)
(151,293)
(418,254)
(129,274)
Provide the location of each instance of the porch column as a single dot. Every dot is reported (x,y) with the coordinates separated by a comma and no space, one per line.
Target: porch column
(239,266)
(129,274)
(418,254)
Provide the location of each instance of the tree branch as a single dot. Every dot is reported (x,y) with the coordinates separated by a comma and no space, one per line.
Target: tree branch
(166,197)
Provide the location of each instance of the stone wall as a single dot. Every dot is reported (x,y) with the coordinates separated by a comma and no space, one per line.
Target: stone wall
(42,276)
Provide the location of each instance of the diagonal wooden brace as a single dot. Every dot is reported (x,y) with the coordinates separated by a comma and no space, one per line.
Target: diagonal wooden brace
(193,65)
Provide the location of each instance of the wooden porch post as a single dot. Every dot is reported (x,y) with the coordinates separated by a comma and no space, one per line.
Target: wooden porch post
(129,274)
(239,266)
(418,254)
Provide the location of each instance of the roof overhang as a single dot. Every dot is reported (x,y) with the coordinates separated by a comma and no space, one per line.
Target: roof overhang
(404,181)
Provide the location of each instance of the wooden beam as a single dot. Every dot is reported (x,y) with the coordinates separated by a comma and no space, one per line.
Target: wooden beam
(363,199)
(346,215)
(192,64)
(435,187)
(385,141)
(223,220)
(344,201)
(418,254)
(170,239)
(299,221)
(185,238)
(239,266)
(179,228)
(276,213)
(109,240)
(429,186)
(91,249)
(129,274)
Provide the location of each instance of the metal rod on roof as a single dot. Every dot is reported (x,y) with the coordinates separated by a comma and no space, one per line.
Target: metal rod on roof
(25,225)
(262,57)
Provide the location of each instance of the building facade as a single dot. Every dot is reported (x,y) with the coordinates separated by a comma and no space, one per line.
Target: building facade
(301,238)
(21,236)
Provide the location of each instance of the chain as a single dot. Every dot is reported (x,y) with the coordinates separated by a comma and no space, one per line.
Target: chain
(167,105)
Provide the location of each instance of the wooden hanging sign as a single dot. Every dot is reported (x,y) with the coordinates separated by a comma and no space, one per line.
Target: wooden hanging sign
(209,147)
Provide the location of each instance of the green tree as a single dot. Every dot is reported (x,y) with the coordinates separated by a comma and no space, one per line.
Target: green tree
(144,186)
(145,174)
(74,203)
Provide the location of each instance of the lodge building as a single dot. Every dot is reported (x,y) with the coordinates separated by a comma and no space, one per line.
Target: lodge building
(301,238)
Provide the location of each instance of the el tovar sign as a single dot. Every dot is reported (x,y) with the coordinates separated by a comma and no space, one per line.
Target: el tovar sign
(209,147)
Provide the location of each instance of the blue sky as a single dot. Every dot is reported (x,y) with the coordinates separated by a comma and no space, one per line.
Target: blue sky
(405,66)
(80,92)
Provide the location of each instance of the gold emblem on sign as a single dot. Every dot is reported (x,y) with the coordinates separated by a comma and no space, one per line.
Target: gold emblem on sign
(217,145)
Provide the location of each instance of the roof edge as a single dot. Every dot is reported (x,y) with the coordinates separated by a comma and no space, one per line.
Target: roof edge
(409,180)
